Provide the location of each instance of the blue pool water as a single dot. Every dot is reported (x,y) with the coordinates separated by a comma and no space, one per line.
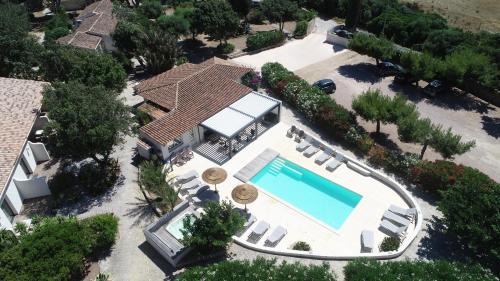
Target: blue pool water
(175,227)
(322,199)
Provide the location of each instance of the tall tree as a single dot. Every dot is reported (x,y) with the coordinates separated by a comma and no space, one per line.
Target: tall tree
(413,129)
(373,106)
(159,49)
(448,144)
(216,18)
(420,66)
(278,11)
(372,46)
(86,121)
(353,14)
(241,7)
(127,37)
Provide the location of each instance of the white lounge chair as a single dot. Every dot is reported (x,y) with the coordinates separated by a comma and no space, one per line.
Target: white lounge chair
(327,154)
(276,236)
(335,163)
(310,151)
(188,176)
(391,229)
(396,218)
(367,241)
(197,190)
(305,143)
(258,231)
(191,184)
(409,213)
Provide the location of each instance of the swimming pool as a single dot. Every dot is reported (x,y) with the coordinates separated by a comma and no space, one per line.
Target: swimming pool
(322,199)
(175,228)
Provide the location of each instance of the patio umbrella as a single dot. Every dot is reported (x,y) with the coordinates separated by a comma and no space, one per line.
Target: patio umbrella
(244,194)
(214,175)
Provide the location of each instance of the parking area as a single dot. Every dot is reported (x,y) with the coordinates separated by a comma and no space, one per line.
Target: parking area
(466,115)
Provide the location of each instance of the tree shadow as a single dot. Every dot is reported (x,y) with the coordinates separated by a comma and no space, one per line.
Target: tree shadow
(158,260)
(461,101)
(491,125)
(412,93)
(361,72)
(197,50)
(384,140)
(141,211)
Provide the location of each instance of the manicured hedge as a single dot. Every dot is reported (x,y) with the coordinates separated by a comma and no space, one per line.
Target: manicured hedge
(273,73)
(373,270)
(437,175)
(258,269)
(300,29)
(58,248)
(264,39)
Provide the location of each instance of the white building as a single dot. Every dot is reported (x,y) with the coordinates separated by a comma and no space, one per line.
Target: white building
(20,103)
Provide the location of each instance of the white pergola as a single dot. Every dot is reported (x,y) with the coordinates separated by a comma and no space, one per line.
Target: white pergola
(248,110)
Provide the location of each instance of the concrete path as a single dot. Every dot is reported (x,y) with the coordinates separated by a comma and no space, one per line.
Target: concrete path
(296,54)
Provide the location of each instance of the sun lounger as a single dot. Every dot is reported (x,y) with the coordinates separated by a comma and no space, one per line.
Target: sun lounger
(258,231)
(197,190)
(303,145)
(187,176)
(367,241)
(278,234)
(335,163)
(396,218)
(391,229)
(409,213)
(191,184)
(327,154)
(310,151)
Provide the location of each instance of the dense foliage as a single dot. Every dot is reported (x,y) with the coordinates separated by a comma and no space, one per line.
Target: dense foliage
(159,49)
(152,9)
(153,178)
(300,29)
(66,63)
(273,73)
(258,269)
(301,246)
(57,248)
(85,121)
(264,39)
(216,18)
(372,46)
(58,26)
(437,175)
(278,11)
(373,270)
(471,209)
(389,244)
(373,106)
(252,80)
(213,230)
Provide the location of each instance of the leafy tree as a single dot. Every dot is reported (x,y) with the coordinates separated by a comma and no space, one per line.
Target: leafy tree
(400,108)
(187,13)
(152,9)
(420,66)
(414,270)
(278,11)
(373,106)
(160,50)
(353,14)
(127,37)
(258,269)
(174,25)
(372,46)
(241,7)
(66,63)
(8,239)
(416,130)
(214,228)
(216,18)
(448,144)
(471,209)
(153,178)
(443,42)
(86,121)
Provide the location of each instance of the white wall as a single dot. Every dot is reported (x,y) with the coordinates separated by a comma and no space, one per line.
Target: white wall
(40,153)
(29,158)
(4,221)
(32,188)
(12,193)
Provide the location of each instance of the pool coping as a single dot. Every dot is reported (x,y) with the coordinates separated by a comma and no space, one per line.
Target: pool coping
(391,183)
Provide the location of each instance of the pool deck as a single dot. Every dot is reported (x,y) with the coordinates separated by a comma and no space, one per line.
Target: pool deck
(324,240)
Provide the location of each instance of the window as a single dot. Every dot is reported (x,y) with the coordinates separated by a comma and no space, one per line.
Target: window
(8,211)
(175,143)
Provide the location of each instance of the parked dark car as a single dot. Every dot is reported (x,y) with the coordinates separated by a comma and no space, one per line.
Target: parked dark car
(435,87)
(345,34)
(339,27)
(387,68)
(326,85)
(405,77)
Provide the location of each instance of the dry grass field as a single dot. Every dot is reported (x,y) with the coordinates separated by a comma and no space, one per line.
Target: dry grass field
(472,15)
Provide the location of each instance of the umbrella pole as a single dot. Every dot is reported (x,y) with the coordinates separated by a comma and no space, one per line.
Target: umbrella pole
(246,208)
(215,185)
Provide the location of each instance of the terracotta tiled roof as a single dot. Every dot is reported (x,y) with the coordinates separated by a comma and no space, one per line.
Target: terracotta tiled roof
(96,20)
(193,93)
(19,100)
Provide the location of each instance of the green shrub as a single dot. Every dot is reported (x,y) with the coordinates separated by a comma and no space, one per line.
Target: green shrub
(258,269)
(401,164)
(54,34)
(300,29)
(152,9)
(389,244)
(377,156)
(306,15)
(307,99)
(359,139)
(225,48)
(437,175)
(57,249)
(471,209)
(335,119)
(59,20)
(273,73)
(413,270)
(255,16)
(301,246)
(264,39)
(252,80)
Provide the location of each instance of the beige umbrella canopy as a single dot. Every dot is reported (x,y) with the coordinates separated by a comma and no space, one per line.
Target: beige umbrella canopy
(214,175)
(244,194)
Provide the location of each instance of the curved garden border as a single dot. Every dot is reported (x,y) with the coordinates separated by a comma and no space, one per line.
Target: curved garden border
(383,255)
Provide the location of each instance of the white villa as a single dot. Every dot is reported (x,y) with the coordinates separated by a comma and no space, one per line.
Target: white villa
(20,126)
